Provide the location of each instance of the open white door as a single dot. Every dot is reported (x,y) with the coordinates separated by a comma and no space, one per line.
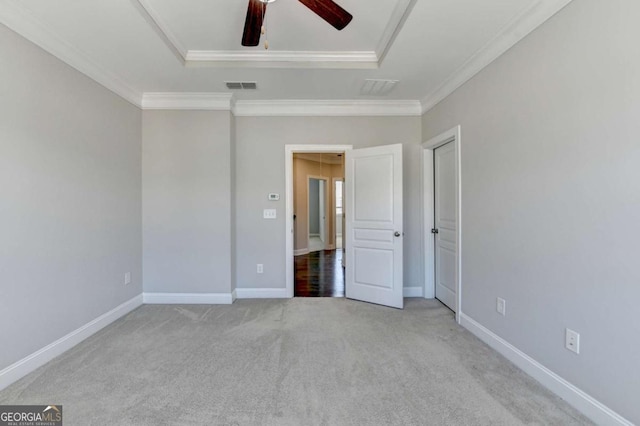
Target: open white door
(445,225)
(373,194)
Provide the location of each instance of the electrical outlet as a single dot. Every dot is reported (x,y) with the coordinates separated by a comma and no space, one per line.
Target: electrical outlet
(260,268)
(501,306)
(127,278)
(572,341)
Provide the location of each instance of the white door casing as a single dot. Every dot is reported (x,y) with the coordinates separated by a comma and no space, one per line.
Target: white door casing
(453,136)
(445,225)
(373,195)
(289,150)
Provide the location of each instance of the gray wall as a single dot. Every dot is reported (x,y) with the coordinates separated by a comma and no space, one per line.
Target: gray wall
(550,174)
(314,206)
(260,170)
(187,201)
(70,214)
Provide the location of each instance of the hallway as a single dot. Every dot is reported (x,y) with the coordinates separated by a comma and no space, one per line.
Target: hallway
(319,274)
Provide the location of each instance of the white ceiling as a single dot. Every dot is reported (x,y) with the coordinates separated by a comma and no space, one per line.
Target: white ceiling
(148,46)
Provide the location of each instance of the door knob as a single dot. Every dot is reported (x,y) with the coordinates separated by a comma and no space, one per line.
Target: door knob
(397,234)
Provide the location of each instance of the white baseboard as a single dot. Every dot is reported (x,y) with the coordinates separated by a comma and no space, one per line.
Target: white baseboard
(413,292)
(300,252)
(314,235)
(234,295)
(262,293)
(37,359)
(188,298)
(589,406)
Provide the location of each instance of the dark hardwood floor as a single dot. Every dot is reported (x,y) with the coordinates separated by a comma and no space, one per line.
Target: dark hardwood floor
(319,274)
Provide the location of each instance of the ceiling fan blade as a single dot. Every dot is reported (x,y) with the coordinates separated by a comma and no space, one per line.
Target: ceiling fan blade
(330,12)
(253,23)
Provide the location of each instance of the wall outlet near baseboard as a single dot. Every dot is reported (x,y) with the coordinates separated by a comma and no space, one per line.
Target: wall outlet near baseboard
(260,268)
(572,341)
(501,306)
(127,278)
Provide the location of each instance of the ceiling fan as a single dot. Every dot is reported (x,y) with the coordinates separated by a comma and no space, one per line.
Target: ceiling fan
(326,9)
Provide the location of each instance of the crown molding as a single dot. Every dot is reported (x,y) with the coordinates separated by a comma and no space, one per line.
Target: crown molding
(160,27)
(328,108)
(281,59)
(517,29)
(398,18)
(18,19)
(188,101)
(278,108)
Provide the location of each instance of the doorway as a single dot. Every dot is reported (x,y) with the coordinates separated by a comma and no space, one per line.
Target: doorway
(442,219)
(318,270)
(373,234)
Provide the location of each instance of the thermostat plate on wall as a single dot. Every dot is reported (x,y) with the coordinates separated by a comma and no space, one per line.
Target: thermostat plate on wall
(274,197)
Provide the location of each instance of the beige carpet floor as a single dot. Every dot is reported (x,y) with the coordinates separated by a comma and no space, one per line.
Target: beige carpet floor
(289,362)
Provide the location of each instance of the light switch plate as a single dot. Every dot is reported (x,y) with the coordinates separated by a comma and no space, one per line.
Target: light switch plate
(269,213)
(572,340)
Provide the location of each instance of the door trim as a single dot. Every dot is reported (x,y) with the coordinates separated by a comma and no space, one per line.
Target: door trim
(428,147)
(289,150)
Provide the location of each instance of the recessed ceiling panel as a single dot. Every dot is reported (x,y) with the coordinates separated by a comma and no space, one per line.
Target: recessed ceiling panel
(291,26)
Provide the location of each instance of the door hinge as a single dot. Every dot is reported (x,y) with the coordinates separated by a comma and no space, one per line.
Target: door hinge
(434,231)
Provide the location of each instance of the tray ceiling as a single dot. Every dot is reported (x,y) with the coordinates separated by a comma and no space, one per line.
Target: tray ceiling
(137,47)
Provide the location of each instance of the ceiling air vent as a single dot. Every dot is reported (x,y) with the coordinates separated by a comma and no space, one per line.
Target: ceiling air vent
(372,87)
(241,85)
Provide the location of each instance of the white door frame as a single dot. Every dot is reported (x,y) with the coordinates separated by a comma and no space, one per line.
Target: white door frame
(452,135)
(289,150)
